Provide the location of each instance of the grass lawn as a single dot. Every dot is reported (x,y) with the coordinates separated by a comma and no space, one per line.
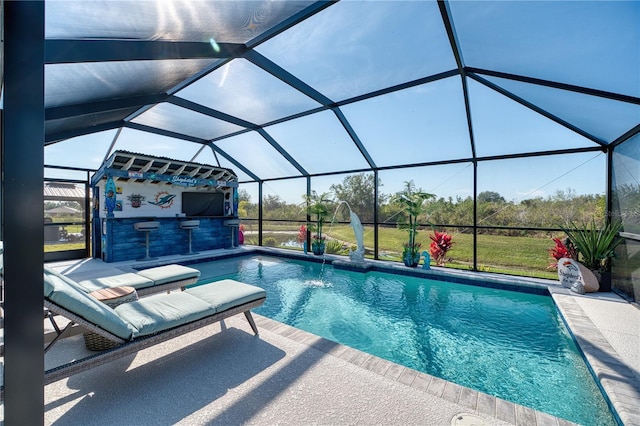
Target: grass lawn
(526,256)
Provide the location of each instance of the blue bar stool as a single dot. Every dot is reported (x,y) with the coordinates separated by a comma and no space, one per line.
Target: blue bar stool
(190,225)
(147,227)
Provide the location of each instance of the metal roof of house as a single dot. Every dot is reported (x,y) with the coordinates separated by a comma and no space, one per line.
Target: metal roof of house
(63,191)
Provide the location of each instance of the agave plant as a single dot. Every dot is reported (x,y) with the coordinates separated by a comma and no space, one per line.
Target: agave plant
(595,246)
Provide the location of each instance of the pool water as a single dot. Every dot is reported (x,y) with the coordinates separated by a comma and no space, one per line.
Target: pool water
(508,344)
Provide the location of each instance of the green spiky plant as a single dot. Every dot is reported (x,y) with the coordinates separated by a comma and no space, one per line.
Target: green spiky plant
(596,246)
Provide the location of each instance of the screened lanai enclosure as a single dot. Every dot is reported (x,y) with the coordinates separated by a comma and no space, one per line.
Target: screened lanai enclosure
(519,118)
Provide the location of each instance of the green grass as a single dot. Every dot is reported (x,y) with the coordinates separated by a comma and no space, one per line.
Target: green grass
(526,256)
(63,246)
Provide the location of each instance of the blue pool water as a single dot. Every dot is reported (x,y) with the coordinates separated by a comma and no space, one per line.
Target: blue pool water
(509,344)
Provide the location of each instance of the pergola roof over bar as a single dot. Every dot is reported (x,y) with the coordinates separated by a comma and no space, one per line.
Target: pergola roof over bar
(282,89)
(133,167)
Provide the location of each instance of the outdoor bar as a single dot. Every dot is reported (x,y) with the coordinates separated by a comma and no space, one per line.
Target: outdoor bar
(146,206)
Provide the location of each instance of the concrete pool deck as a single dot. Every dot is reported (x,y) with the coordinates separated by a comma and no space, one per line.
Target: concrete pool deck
(288,376)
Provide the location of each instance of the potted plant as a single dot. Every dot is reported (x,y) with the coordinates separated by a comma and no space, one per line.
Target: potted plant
(413,202)
(317,208)
(596,247)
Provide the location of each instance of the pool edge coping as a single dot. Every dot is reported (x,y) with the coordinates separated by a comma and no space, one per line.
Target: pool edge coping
(621,386)
(467,398)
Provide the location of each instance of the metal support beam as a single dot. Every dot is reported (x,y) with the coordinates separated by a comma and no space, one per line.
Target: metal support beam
(457,53)
(260,215)
(537,109)
(284,75)
(73,51)
(23,210)
(376,194)
(52,138)
(99,107)
(217,151)
(609,193)
(282,151)
(475,215)
(627,135)
(354,137)
(557,85)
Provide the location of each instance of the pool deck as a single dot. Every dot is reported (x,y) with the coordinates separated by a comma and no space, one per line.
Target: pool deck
(222,374)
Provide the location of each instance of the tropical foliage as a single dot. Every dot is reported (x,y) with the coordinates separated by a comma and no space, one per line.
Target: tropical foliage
(561,250)
(302,234)
(317,207)
(441,243)
(335,247)
(595,245)
(413,202)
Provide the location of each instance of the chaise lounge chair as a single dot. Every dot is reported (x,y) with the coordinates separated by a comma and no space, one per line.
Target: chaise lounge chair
(145,322)
(147,281)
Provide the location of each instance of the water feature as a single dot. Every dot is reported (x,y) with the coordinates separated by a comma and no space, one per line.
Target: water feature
(357,255)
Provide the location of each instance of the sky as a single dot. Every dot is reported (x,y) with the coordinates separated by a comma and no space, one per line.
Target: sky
(353,48)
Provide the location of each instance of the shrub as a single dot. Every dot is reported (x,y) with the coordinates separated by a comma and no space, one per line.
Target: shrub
(333,247)
(270,242)
(595,246)
(440,244)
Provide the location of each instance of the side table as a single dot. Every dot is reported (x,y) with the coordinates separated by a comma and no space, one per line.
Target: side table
(112,297)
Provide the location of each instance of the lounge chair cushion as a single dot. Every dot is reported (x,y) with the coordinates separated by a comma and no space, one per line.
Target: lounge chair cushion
(228,293)
(152,314)
(66,293)
(122,280)
(168,273)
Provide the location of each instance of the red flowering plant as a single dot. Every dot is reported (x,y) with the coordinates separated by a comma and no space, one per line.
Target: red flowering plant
(302,234)
(560,250)
(440,244)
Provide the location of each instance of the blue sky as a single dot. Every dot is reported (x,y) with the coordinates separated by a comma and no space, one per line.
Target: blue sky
(352,48)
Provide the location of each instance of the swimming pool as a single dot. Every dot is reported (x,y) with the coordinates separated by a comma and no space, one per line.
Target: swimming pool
(509,344)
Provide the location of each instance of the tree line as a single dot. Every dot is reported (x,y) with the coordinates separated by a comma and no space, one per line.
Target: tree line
(493,210)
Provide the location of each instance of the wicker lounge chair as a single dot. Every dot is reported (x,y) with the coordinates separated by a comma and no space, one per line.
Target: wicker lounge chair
(147,281)
(145,322)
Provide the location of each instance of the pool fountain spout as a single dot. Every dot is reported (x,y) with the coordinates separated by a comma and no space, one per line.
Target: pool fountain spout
(356,257)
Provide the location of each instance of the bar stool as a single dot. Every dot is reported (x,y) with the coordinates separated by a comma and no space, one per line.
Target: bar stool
(234,224)
(190,225)
(147,227)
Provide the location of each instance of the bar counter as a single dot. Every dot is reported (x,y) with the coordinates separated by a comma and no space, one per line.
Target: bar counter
(121,241)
